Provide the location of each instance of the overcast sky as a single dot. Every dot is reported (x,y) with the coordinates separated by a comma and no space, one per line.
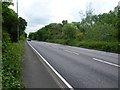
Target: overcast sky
(39,13)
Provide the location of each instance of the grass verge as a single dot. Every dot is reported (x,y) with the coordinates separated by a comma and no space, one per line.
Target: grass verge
(97,45)
(11,64)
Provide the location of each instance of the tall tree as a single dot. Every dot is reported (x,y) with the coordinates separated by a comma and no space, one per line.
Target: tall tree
(69,31)
(10,21)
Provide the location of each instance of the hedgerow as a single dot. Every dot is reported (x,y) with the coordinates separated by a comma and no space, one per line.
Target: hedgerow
(11,63)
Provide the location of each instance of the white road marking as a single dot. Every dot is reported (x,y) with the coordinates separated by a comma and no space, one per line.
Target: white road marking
(106,62)
(66,83)
(71,52)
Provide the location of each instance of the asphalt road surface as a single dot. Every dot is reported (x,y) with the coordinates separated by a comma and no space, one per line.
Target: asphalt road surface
(82,68)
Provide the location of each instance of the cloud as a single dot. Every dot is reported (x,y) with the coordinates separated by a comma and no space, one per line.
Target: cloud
(39,13)
(34,28)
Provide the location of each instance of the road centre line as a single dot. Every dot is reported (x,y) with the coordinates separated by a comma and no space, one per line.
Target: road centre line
(65,82)
(71,52)
(102,61)
(109,63)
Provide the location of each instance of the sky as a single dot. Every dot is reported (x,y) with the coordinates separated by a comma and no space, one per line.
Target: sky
(39,13)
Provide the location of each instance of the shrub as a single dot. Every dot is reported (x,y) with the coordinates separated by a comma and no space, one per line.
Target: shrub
(11,62)
(104,46)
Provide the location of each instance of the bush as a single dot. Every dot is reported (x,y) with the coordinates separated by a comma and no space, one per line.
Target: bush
(60,41)
(11,60)
(104,46)
(100,32)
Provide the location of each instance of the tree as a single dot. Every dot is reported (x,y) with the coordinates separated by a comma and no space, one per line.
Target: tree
(22,25)
(69,31)
(10,22)
(100,32)
(64,22)
(118,23)
(89,10)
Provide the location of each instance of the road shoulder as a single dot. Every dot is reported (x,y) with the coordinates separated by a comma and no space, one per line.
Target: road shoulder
(34,74)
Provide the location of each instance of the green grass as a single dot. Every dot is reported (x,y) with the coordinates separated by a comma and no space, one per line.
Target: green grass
(11,65)
(103,46)
(60,41)
(0,70)
(97,45)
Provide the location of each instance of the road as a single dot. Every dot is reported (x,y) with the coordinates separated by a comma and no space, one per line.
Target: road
(81,68)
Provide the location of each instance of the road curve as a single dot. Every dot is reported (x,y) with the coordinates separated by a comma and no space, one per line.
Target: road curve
(82,68)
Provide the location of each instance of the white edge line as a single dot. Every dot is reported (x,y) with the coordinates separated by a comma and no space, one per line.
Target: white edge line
(106,62)
(66,83)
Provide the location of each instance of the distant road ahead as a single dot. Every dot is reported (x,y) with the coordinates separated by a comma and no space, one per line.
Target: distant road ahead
(82,68)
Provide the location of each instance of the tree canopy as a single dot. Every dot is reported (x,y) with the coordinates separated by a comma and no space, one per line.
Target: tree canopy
(10,21)
(102,27)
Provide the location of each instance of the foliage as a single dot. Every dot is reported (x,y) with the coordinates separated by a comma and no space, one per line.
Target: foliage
(64,22)
(117,33)
(100,32)
(11,61)
(60,41)
(22,25)
(51,31)
(104,46)
(10,21)
(69,31)
(11,49)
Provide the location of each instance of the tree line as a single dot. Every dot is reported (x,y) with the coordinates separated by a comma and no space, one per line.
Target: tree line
(102,27)
(10,21)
